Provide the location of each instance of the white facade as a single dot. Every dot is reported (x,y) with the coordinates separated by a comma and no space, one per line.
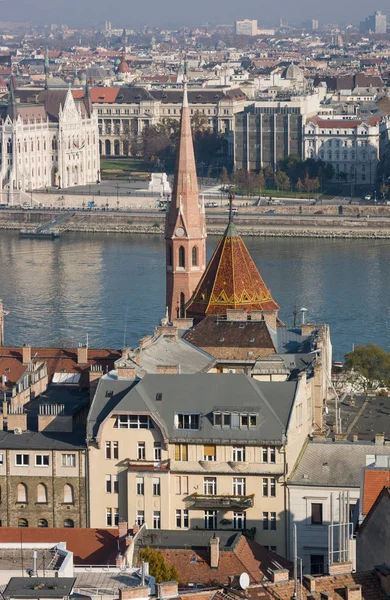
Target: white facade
(37,152)
(352,146)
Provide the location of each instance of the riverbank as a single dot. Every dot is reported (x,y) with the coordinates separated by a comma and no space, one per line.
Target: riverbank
(248,224)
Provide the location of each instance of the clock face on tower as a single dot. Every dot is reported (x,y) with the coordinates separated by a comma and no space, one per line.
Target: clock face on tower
(179,232)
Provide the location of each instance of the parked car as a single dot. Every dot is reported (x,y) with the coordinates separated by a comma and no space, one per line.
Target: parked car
(211,205)
(368,197)
(270,212)
(234,210)
(319,212)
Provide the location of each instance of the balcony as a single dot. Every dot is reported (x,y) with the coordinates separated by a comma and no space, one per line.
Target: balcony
(148,465)
(203,501)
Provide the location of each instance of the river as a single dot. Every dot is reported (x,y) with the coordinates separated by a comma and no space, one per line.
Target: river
(110,288)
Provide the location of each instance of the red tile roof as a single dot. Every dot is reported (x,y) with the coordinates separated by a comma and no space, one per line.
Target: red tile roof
(231,280)
(336,123)
(89,546)
(374,480)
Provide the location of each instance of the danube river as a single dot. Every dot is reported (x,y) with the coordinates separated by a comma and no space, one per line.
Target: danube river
(110,288)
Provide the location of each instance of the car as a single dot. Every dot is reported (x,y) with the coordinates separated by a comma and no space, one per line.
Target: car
(234,210)
(270,212)
(368,197)
(319,212)
(211,205)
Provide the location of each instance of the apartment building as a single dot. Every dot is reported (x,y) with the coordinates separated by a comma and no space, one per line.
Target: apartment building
(205,451)
(123,112)
(268,130)
(353,146)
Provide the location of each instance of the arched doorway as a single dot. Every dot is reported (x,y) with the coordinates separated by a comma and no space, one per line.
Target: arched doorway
(117,148)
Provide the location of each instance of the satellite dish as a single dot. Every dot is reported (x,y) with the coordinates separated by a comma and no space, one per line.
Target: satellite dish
(244,581)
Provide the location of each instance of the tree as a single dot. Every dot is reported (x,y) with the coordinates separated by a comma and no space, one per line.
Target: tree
(282,181)
(199,122)
(158,567)
(224,176)
(368,366)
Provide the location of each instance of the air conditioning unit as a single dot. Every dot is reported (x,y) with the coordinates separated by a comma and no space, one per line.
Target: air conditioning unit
(18,431)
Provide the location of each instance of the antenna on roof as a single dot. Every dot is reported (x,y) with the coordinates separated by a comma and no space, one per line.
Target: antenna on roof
(295,313)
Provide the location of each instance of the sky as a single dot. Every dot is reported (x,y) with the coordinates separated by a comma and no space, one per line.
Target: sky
(165,13)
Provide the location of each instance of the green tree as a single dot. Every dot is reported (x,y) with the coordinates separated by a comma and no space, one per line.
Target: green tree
(158,567)
(368,367)
(282,181)
(199,122)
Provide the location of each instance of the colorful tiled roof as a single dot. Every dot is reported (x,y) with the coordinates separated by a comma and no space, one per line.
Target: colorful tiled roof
(231,281)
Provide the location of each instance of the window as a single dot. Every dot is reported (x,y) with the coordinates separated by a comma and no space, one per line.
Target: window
(239,486)
(184,484)
(22,460)
(265,486)
(195,256)
(226,419)
(108,517)
(181,452)
(156,519)
(178,519)
(217,418)
(115,449)
(141,452)
(244,420)
(210,519)
(182,257)
(209,453)
(140,486)
(41,460)
(116,484)
(108,484)
(265,521)
(238,453)
(187,421)
(22,493)
(68,494)
(272,487)
(157,451)
(265,455)
(317,564)
(22,523)
(42,523)
(182,519)
(316,513)
(41,493)
(186,522)
(133,422)
(177,484)
(68,460)
(69,523)
(273,521)
(140,519)
(272,455)
(239,520)
(156,486)
(252,420)
(1,459)
(210,486)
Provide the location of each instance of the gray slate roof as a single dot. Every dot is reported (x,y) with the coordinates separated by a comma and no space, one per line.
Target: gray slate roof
(49,587)
(199,393)
(338,464)
(36,440)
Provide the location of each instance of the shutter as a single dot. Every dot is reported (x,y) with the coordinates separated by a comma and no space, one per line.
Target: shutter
(209,451)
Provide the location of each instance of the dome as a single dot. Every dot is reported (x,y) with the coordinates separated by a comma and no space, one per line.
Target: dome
(123,67)
(293,72)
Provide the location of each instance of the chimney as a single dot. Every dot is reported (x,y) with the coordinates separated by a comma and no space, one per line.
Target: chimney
(233,314)
(167,589)
(214,552)
(134,593)
(340,568)
(279,575)
(353,592)
(310,583)
(126,352)
(34,565)
(326,596)
(26,354)
(122,529)
(125,369)
(82,355)
(379,439)
(95,373)
(168,369)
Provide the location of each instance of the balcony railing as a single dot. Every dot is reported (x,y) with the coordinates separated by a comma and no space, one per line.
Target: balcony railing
(221,502)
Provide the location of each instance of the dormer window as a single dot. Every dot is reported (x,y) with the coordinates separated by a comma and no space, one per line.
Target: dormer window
(187,421)
(234,420)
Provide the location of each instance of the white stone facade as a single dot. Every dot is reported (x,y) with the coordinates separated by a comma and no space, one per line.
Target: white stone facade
(39,152)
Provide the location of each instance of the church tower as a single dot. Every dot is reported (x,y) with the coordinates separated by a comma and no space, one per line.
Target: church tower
(185,226)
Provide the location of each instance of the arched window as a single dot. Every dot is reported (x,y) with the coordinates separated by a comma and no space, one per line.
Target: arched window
(22,523)
(41,493)
(182,305)
(107,148)
(68,494)
(22,492)
(182,257)
(170,256)
(38,146)
(42,523)
(32,145)
(68,523)
(116,148)
(9,146)
(54,143)
(195,256)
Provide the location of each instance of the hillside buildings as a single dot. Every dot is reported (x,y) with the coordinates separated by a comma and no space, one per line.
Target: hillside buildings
(375,23)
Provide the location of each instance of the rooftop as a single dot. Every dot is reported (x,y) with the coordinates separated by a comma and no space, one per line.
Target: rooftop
(39,587)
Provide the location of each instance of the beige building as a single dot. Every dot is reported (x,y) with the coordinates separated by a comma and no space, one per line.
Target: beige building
(205,451)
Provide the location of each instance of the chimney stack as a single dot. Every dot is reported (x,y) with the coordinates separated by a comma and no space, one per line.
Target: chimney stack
(26,354)
(214,552)
(82,355)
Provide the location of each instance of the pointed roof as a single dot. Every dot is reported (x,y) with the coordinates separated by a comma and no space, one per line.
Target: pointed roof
(184,209)
(231,281)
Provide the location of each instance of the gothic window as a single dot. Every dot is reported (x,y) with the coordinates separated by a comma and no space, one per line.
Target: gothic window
(9,146)
(42,523)
(195,256)
(44,144)
(22,492)
(32,146)
(38,146)
(182,305)
(170,257)
(54,143)
(25,145)
(18,146)
(68,494)
(182,257)
(41,493)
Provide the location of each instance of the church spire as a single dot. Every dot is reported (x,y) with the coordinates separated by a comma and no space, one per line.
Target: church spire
(47,69)
(185,227)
